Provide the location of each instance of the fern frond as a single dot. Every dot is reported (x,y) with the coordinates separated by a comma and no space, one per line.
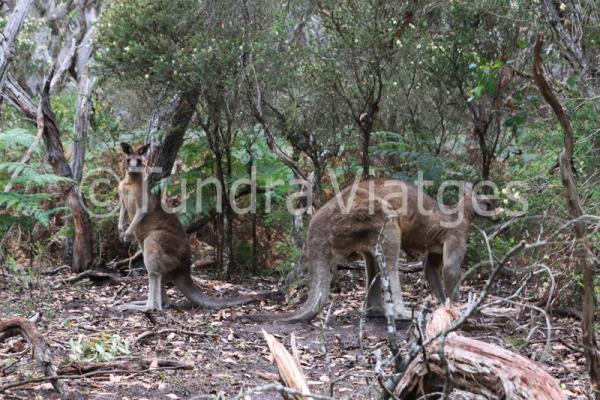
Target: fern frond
(16,137)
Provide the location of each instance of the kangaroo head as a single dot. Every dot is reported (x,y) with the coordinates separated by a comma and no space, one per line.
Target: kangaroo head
(134,156)
(478,204)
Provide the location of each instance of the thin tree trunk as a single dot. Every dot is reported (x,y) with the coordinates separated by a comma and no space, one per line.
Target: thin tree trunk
(582,251)
(366,142)
(84,103)
(254,216)
(82,245)
(9,36)
(229,211)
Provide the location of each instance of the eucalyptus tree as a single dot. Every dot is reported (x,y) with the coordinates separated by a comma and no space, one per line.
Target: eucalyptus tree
(289,95)
(474,58)
(59,35)
(360,55)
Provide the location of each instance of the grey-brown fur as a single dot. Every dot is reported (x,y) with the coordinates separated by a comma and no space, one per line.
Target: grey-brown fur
(165,245)
(395,219)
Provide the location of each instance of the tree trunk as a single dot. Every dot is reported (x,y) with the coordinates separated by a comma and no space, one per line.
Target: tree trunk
(170,122)
(9,36)
(82,246)
(366,136)
(582,249)
(84,103)
(229,210)
(480,130)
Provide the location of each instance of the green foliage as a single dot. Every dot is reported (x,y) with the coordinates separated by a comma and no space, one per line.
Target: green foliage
(25,204)
(157,42)
(103,348)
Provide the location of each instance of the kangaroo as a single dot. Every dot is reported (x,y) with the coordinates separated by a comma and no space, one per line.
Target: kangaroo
(385,211)
(162,238)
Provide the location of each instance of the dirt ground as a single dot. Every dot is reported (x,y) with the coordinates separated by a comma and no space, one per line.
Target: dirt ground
(227,355)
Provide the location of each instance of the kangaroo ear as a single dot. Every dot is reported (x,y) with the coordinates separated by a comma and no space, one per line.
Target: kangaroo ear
(142,150)
(126,148)
(467,187)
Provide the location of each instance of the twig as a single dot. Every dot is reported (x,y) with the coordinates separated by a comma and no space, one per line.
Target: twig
(95,276)
(324,323)
(275,387)
(149,333)
(388,304)
(86,375)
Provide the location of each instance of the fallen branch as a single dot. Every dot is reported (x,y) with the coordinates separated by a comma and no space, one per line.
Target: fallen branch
(134,364)
(56,270)
(126,262)
(407,268)
(40,350)
(82,376)
(274,387)
(289,369)
(475,366)
(94,276)
(149,333)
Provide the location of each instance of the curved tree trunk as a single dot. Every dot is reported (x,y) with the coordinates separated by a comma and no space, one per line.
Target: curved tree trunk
(82,245)
(170,121)
(582,251)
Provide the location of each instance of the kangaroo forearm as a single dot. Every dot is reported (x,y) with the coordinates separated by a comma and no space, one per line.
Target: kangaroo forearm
(136,220)
(122,216)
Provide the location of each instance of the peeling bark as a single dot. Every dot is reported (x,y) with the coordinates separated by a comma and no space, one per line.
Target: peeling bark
(9,36)
(475,366)
(84,103)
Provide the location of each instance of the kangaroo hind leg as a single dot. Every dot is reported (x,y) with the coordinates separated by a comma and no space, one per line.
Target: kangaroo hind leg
(154,301)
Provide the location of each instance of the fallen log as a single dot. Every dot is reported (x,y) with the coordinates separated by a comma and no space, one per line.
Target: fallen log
(474,366)
(40,351)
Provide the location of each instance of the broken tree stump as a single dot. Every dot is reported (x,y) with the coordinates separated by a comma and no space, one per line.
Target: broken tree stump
(40,350)
(474,366)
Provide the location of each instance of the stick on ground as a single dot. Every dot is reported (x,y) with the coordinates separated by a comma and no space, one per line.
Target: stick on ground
(290,371)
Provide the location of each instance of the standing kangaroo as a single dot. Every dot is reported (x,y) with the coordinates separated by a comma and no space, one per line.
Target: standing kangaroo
(164,243)
(387,211)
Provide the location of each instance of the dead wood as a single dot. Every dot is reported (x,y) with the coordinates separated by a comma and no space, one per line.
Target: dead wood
(40,350)
(9,36)
(289,369)
(134,364)
(56,270)
(360,265)
(126,262)
(95,276)
(149,333)
(474,366)
(150,366)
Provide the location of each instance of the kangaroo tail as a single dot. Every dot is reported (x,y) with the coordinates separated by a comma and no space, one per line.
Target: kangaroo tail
(184,282)
(318,294)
